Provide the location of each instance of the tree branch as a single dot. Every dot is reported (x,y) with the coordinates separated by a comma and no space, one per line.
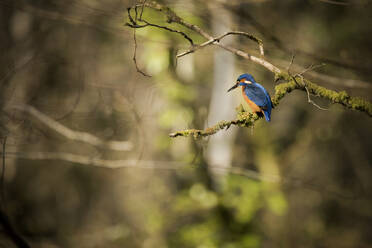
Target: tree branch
(291,82)
(74,135)
(217,39)
(140,164)
(172,17)
(246,119)
(134,24)
(163,165)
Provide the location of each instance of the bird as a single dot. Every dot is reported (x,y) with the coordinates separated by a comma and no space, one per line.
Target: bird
(255,95)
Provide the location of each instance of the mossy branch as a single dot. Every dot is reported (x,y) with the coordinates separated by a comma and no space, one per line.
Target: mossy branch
(246,119)
(296,82)
(341,97)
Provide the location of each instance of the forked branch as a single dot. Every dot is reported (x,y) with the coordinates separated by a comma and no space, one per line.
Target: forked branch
(297,82)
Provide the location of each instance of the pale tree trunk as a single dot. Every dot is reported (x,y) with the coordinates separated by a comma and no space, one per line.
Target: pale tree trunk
(222,106)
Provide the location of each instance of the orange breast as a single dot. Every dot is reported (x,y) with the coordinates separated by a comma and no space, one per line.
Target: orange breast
(251,104)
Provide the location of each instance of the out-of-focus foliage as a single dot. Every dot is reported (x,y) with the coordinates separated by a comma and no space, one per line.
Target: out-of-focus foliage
(307,180)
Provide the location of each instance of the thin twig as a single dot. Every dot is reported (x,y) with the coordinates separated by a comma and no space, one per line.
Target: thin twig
(142,8)
(300,75)
(245,34)
(170,30)
(196,47)
(290,64)
(135,56)
(219,38)
(173,17)
(310,68)
(345,82)
(311,101)
(134,22)
(281,90)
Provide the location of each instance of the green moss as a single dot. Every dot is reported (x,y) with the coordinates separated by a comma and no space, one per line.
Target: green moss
(341,97)
(361,104)
(282,76)
(282,89)
(290,83)
(247,119)
(244,119)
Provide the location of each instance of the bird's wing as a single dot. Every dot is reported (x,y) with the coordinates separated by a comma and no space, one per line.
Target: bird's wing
(258,95)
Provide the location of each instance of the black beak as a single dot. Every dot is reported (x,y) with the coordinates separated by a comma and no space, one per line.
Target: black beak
(236,85)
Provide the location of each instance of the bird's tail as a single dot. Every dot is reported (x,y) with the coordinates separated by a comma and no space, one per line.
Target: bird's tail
(267,115)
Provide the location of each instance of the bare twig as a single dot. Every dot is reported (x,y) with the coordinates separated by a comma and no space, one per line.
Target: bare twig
(300,75)
(310,68)
(345,82)
(74,135)
(280,90)
(246,119)
(135,56)
(173,17)
(290,64)
(142,8)
(249,36)
(311,101)
(134,22)
(170,30)
(217,40)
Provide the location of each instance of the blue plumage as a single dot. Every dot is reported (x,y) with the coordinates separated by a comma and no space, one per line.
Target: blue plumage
(255,93)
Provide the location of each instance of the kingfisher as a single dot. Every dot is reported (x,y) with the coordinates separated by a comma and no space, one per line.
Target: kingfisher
(255,95)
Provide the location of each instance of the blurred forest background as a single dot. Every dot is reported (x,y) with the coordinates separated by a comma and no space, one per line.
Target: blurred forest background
(302,180)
